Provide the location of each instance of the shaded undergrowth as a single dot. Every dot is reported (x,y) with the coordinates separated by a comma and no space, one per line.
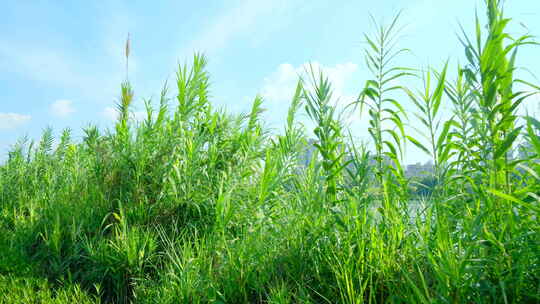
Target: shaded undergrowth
(195,205)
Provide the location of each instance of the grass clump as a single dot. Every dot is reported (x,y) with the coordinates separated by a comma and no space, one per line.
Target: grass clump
(195,205)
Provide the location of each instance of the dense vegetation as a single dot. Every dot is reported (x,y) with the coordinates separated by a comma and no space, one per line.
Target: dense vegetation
(194,205)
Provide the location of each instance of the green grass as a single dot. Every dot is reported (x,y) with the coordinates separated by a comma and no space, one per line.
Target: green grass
(195,205)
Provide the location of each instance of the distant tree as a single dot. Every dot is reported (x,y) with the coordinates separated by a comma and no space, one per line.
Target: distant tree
(424,186)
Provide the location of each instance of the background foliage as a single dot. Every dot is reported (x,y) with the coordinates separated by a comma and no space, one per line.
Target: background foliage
(195,205)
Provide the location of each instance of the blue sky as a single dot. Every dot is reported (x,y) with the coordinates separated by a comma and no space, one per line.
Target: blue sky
(61,62)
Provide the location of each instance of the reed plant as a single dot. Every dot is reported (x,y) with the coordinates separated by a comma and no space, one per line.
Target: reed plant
(197,205)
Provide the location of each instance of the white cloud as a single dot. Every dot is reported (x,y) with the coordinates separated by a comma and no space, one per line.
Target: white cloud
(280,85)
(278,88)
(110,113)
(62,108)
(139,115)
(13,120)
